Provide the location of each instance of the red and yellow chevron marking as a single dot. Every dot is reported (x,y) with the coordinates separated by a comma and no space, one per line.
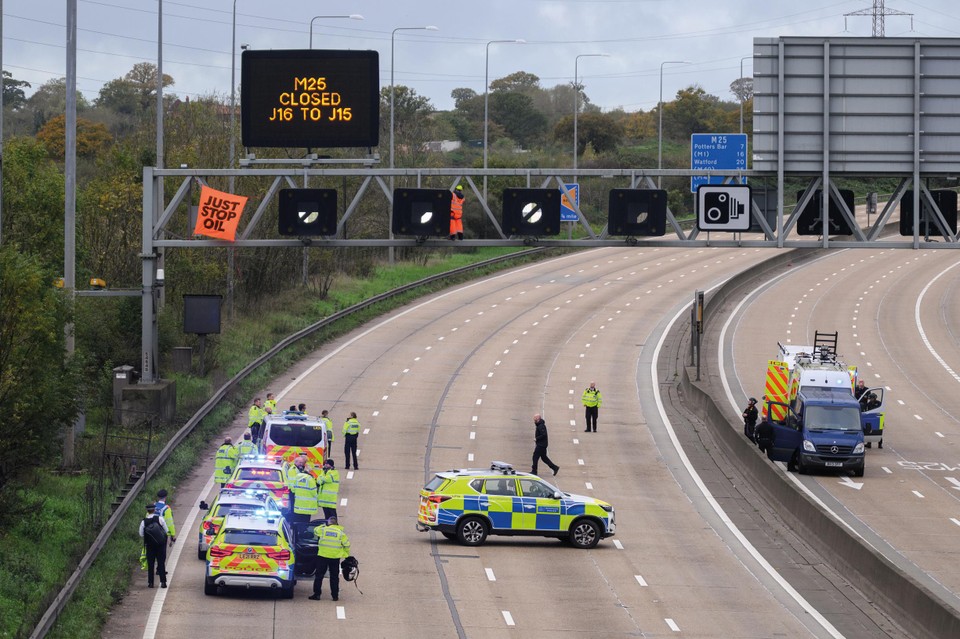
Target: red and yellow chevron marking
(289,453)
(775,389)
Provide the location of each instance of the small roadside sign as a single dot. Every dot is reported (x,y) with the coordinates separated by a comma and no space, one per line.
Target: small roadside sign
(568,212)
(716,151)
(723,208)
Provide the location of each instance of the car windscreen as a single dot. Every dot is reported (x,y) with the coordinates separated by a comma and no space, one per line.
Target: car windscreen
(846,418)
(260,474)
(296,434)
(250,537)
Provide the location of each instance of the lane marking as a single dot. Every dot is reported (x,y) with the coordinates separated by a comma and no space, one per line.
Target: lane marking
(588,485)
(507,617)
(366,431)
(640,580)
(343,502)
(673,625)
(473,434)
(580,461)
(490,575)
(469,456)
(616,542)
(350,474)
(917,493)
(341,612)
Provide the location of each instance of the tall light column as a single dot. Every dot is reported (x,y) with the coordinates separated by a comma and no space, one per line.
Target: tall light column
(352,16)
(749,57)
(392,41)
(486,103)
(233,148)
(576,98)
(660,114)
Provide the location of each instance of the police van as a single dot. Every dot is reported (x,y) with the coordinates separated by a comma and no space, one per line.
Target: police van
(287,435)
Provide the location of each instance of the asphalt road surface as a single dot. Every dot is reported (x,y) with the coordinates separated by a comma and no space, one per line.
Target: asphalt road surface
(898,317)
(453,381)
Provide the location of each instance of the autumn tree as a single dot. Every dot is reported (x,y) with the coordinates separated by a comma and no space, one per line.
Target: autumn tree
(92,137)
(601,131)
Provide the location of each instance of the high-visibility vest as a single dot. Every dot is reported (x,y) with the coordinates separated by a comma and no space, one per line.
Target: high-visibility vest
(224,464)
(592,397)
(351,427)
(272,405)
(255,415)
(304,494)
(456,207)
(290,473)
(166,512)
(246,447)
(332,542)
(329,425)
(329,487)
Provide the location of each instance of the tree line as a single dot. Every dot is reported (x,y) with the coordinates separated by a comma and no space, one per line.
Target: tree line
(40,392)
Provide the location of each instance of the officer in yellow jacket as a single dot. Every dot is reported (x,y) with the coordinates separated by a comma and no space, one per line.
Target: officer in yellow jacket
(351,431)
(329,489)
(225,462)
(255,419)
(332,546)
(592,400)
(246,446)
(328,423)
(304,491)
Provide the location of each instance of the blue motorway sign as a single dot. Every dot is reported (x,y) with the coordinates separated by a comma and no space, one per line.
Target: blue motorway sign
(568,212)
(716,151)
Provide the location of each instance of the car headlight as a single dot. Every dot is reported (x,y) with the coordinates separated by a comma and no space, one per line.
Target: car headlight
(808,446)
(858,449)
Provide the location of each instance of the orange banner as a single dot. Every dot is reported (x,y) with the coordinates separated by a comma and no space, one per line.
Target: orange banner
(219,214)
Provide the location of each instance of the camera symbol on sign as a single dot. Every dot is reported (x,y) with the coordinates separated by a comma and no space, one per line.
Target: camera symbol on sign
(722,207)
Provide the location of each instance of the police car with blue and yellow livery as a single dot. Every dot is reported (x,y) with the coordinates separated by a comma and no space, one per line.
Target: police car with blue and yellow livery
(470,504)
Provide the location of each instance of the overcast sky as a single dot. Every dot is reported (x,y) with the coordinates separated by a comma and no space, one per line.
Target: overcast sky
(637,35)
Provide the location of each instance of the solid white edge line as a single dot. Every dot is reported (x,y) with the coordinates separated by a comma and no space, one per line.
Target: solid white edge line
(153,617)
(923,335)
(749,547)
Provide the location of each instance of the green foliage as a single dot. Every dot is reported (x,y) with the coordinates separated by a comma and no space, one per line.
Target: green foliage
(39,388)
(33,203)
(520,120)
(13,96)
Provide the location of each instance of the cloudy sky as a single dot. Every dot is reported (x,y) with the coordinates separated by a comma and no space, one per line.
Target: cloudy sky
(636,35)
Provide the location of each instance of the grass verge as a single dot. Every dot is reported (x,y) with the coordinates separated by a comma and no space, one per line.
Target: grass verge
(245,339)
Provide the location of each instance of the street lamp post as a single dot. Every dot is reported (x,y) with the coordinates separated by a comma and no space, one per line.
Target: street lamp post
(660,114)
(576,98)
(486,104)
(352,16)
(392,40)
(749,57)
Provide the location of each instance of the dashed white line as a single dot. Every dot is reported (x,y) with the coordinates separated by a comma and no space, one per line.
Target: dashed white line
(956,521)
(384,398)
(341,612)
(350,474)
(640,580)
(616,542)
(576,441)
(917,493)
(375,413)
(588,485)
(580,462)
(343,502)
(507,617)
(366,431)
(918,418)
(490,575)
(473,434)
(673,624)
(886,470)
(469,456)
(938,434)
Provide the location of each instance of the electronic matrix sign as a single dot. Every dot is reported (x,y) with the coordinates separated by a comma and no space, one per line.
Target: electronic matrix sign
(310,98)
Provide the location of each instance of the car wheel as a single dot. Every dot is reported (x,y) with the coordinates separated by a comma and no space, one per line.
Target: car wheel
(209,588)
(792,464)
(287,593)
(584,533)
(472,531)
(801,468)
(858,472)
(201,554)
(449,535)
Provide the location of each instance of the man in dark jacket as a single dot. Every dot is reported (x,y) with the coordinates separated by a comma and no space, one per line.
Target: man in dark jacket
(750,415)
(154,531)
(540,451)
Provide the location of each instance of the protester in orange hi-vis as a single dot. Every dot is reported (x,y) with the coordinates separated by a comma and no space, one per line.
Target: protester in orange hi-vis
(219,214)
(456,214)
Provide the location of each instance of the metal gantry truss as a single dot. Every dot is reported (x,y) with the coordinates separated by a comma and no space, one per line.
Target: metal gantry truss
(159,215)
